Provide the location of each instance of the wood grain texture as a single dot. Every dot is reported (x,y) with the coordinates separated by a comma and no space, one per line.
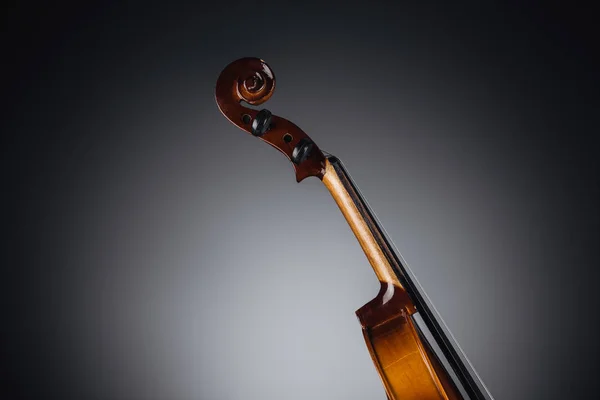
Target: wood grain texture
(407,367)
(356,219)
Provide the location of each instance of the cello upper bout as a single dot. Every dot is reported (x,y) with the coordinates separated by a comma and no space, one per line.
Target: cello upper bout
(408,369)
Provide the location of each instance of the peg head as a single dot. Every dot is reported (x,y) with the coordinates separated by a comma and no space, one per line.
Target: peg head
(250,80)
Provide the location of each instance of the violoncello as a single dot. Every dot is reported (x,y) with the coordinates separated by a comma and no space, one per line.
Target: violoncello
(413,351)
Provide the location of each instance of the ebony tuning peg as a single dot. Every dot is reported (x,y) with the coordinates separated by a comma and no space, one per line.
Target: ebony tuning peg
(261,123)
(302,150)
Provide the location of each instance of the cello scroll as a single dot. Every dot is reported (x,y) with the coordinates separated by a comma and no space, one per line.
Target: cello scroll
(252,81)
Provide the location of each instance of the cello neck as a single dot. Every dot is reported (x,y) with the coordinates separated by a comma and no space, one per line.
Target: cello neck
(361,221)
(364,224)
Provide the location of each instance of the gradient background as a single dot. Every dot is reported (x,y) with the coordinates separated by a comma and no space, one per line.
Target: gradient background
(154,251)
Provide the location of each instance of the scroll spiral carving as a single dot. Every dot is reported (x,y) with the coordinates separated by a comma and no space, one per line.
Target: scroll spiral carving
(252,81)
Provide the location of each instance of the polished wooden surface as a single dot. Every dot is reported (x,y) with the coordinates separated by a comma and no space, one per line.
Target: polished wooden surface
(358,224)
(407,367)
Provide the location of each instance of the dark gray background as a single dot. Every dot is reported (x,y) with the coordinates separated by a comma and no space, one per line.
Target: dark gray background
(154,251)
